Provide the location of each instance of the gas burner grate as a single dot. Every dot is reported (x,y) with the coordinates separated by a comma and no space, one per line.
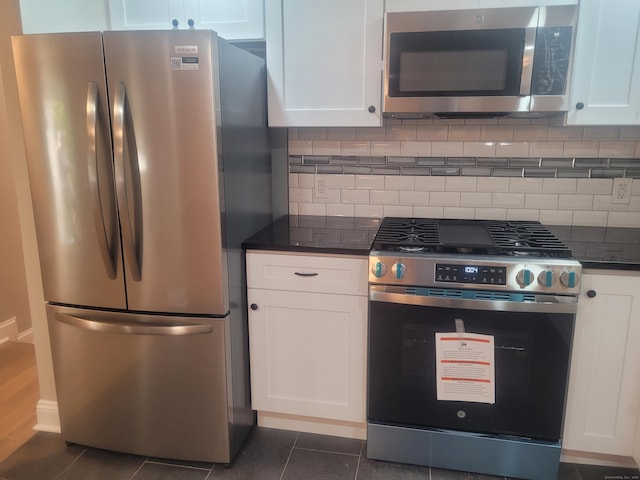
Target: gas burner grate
(483,237)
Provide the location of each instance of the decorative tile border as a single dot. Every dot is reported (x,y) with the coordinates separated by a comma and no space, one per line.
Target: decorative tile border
(467,166)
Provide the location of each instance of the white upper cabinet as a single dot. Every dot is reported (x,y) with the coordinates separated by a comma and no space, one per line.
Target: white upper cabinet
(606,72)
(45,16)
(324,61)
(232,19)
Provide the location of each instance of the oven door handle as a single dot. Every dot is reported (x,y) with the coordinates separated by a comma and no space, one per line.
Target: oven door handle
(543,303)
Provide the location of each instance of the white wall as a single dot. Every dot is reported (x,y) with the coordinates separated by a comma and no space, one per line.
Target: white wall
(43,16)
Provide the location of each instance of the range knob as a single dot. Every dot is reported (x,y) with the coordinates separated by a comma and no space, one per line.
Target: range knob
(569,279)
(398,270)
(379,269)
(525,277)
(546,278)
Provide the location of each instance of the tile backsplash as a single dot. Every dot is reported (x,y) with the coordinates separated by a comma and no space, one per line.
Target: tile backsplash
(514,169)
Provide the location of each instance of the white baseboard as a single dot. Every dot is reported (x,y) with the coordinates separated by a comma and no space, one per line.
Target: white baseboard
(8,331)
(48,418)
(313,425)
(26,336)
(589,458)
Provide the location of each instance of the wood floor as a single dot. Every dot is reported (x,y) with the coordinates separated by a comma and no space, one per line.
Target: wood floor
(18,395)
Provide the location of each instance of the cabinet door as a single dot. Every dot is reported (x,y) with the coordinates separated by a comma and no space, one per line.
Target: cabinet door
(606,74)
(146,14)
(325,62)
(604,387)
(308,354)
(231,19)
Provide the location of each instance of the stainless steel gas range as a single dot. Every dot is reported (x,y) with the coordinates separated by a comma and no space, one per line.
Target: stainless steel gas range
(470,331)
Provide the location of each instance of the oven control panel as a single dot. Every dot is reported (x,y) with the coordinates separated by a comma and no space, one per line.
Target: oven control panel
(474,274)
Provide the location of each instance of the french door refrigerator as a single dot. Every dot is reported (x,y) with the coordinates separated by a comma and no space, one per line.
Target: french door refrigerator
(149,164)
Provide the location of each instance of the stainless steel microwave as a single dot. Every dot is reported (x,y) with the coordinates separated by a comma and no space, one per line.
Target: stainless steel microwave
(491,62)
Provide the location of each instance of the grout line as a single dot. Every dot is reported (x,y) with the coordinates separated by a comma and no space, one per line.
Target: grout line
(289,457)
(72,463)
(169,464)
(359,460)
(138,469)
(327,451)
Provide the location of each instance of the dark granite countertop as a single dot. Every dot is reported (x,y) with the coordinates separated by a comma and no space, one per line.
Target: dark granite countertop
(595,247)
(316,234)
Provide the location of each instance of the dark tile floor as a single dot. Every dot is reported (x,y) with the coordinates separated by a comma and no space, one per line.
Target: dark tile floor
(267,455)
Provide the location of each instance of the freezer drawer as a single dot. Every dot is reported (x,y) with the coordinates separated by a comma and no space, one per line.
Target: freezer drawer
(142,384)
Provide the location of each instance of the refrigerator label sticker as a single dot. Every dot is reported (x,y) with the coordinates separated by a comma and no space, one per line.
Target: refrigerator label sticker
(184,63)
(186,49)
(465,367)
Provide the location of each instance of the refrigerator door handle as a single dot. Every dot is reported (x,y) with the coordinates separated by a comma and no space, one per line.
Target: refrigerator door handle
(128,187)
(106,240)
(133,329)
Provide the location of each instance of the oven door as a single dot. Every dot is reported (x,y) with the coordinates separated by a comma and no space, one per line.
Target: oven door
(532,345)
(469,61)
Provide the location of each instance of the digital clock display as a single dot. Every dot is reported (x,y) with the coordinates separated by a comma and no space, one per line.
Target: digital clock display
(473,274)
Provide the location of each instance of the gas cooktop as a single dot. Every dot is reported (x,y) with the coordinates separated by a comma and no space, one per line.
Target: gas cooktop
(478,237)
(519,256)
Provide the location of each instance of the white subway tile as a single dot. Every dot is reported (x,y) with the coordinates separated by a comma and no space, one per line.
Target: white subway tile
(326,147)
(300,147)
(355,196)
(600,134)
(634,204)
(589,218)
(617,149)
(629,133)
(458,212)
(399,132)
(565,134)
(540,201)
(559,185)
(444,199)
(293,208)
(384,197)
(556,217)
(312,209)
(342,133)
(385,148)
(414,198)
(447,149)
(341,181)
(522,214)
(512,149)
(546,149)
(575,202)
(292,133)
(595,186)
(460,184)
(432,133)
(475,199)
(397,211)
(415,149)
(637,150)
(493,184)
(399,182)
(428,212)
(627,219)
(429,184)
(491,213)
(635,187)
(479,149)
(293,180)
(530,133)
(301,195)
(370,133)
(333,196)
(375,211)
(507,200)
(368,182)
(580,149)
(306,180)
(464,134)
(603,202)
(312,133)
(525,185)
(497,133)
(355,148)
(340,210)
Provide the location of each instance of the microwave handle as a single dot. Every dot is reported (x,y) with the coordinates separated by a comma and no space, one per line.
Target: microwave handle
(527,61)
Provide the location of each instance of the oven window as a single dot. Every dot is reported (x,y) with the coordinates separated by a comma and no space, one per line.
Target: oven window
(464,63)
(531,354)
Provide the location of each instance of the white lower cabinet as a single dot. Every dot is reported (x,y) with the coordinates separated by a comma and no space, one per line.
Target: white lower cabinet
(307,336)
(603,406)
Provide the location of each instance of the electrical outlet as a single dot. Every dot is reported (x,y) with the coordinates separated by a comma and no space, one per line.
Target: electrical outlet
(621,190)
(320,187)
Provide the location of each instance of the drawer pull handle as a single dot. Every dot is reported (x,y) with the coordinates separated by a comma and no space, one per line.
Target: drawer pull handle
(302,274)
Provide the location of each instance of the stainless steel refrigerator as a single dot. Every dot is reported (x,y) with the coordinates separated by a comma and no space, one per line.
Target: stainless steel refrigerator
(149,164)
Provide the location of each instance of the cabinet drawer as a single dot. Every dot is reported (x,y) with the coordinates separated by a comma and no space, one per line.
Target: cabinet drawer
(307,273)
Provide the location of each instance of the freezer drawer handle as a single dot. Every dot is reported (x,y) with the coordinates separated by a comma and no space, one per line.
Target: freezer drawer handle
(106,239)
(130,329)
(128,187)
